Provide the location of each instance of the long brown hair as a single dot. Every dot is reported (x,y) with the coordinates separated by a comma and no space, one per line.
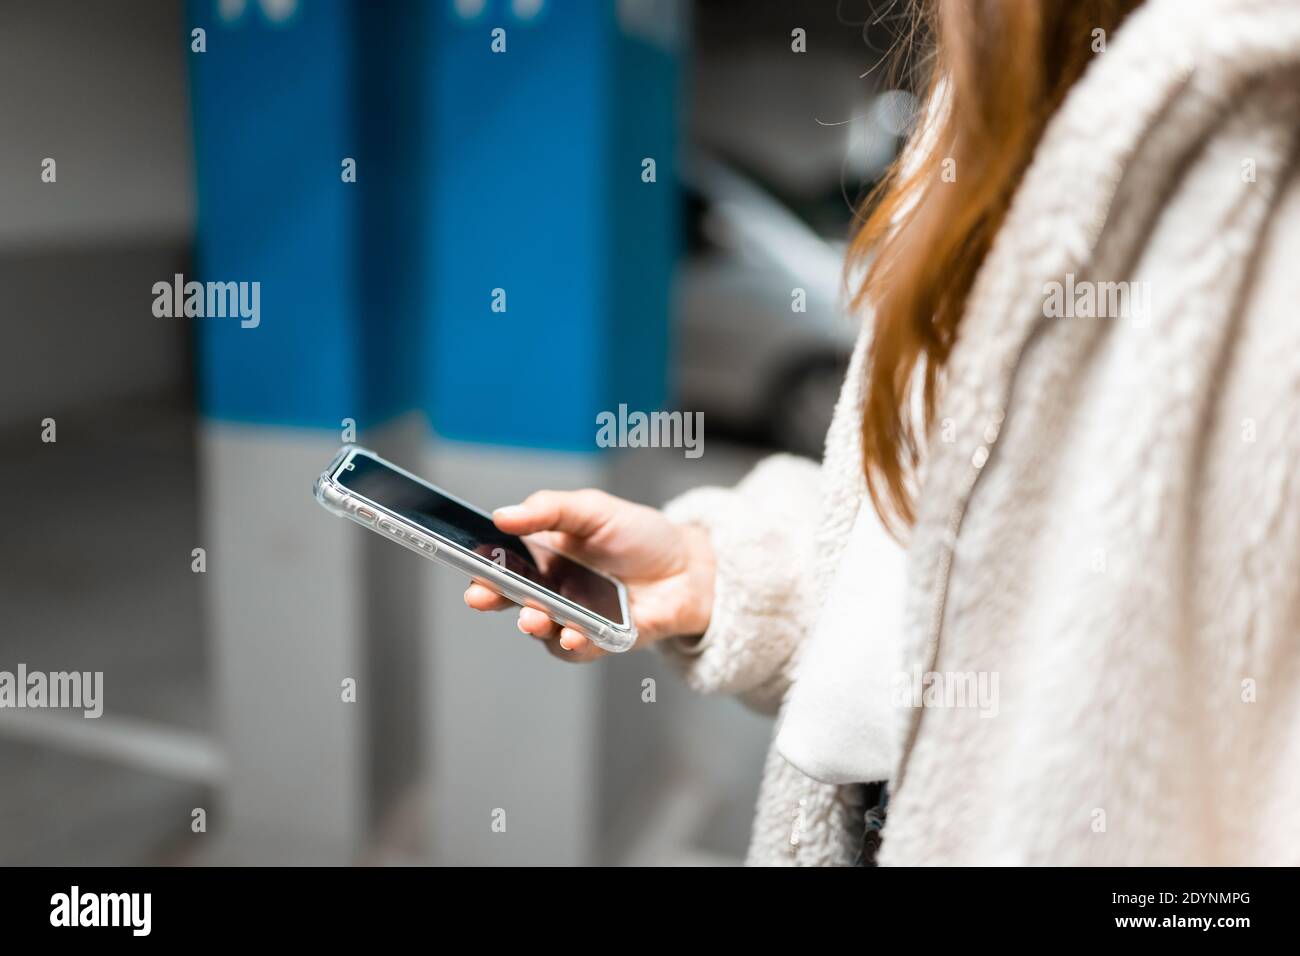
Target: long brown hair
(995,73)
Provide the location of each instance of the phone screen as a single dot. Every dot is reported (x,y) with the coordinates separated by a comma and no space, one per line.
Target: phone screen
(449,519)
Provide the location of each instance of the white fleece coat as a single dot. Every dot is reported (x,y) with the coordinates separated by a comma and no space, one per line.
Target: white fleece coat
(1110,515)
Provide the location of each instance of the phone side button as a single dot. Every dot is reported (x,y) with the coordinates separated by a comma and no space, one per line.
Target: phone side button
(366,513)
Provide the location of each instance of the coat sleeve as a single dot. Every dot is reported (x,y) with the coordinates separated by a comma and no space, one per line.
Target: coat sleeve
(762,532)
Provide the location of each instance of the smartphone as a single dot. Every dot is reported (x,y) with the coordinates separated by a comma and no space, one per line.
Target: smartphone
(392,502)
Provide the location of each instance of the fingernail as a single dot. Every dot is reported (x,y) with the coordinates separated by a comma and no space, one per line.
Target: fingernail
(509,511)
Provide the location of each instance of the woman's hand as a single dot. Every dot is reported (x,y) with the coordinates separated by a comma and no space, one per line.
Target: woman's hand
(668,569)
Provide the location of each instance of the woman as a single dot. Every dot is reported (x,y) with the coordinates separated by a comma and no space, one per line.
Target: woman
(1076,401)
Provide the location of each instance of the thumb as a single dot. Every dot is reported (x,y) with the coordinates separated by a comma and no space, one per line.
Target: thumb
(579,513)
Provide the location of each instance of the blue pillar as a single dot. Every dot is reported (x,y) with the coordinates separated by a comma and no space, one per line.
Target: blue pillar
(537,196)
(283,95)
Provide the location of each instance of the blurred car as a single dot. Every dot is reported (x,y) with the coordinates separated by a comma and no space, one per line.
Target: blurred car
(748,358)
